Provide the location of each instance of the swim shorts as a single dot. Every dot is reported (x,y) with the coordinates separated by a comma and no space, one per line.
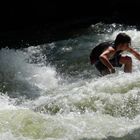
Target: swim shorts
(114,61)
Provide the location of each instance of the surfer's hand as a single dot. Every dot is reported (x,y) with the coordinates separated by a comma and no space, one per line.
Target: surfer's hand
(112,70)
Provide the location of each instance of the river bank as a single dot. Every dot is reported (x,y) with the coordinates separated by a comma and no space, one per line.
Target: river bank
(36,23)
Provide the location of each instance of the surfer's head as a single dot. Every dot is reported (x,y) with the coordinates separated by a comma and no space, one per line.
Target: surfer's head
(122,38)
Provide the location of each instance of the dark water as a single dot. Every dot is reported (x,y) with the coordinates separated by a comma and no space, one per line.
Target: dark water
(51,91)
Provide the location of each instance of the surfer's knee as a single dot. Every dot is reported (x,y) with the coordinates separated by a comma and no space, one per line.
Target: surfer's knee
(126,60)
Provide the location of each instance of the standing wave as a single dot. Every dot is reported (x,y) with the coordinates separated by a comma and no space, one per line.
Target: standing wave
(51,92)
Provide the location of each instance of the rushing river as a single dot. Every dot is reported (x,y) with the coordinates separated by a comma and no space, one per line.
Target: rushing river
(51,92)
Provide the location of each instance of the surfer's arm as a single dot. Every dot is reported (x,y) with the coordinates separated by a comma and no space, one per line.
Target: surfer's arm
(104,58)
(134,52)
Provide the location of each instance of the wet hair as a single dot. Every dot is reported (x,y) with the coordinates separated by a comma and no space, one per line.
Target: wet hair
(122,38)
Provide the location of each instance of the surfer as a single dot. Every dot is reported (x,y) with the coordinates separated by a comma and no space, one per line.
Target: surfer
(107,55)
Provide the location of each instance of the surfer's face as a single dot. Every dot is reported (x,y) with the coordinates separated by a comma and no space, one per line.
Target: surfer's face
(125,46)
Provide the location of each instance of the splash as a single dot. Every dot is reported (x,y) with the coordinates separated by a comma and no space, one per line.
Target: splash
(18,77)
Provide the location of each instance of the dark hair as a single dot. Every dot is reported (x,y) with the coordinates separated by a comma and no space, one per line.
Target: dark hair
(122,38)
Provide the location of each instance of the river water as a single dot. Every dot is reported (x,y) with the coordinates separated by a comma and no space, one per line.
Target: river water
(51,92)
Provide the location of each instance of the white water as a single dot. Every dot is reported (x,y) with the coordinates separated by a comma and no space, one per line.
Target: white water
(43,100)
